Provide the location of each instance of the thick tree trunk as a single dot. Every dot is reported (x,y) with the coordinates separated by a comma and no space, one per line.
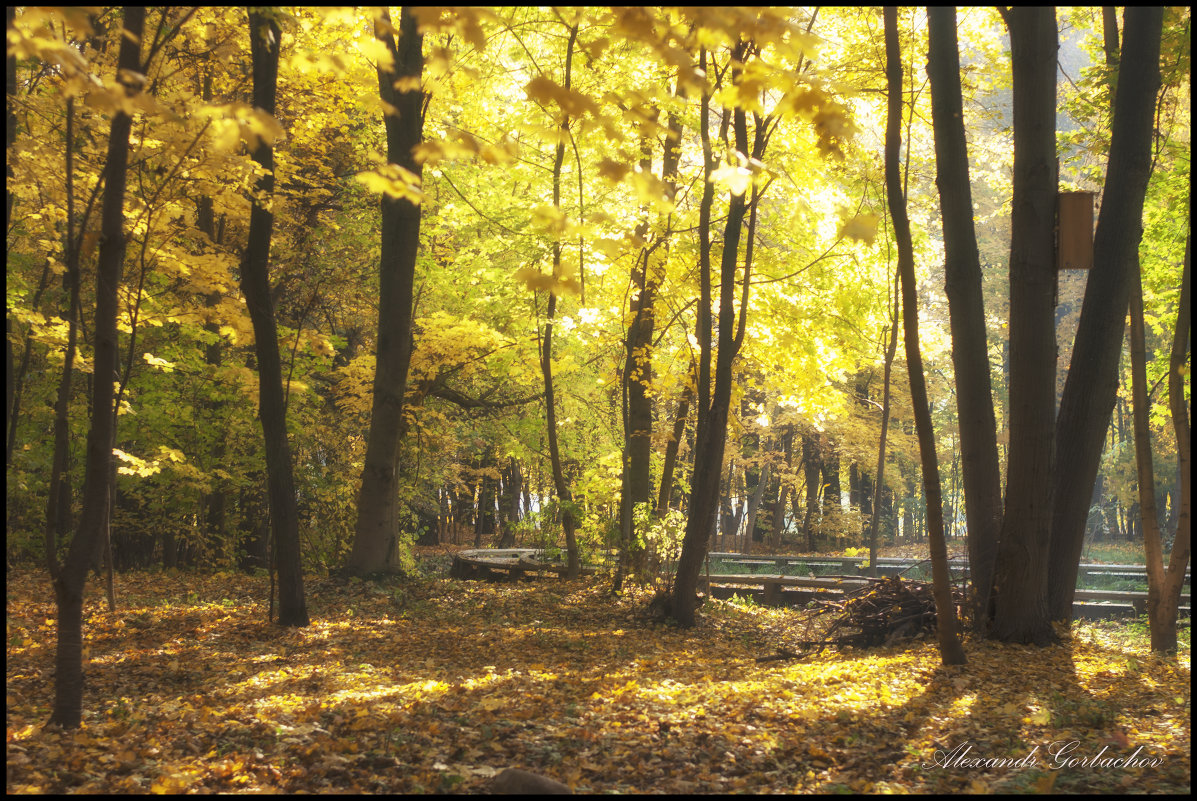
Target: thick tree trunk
(1021,574)
(1092,382)
(71,580)
(376,544)
(966,309)
(950,650)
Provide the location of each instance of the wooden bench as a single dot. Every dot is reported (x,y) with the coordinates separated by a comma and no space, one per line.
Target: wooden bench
(772,586)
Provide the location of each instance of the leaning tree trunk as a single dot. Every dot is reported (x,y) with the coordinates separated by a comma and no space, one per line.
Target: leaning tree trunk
(376,543)
(966,309)
(71,579)
(671,449)
(1021,613)
(950,650)
(255,284)
(1092,384)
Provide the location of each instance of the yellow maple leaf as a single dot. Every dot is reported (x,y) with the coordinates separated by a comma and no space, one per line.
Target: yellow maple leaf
(862,227)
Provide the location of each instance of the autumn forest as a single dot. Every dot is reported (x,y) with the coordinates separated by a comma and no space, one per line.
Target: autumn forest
(598,399)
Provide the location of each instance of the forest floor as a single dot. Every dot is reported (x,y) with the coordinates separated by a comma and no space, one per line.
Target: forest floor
(435,685)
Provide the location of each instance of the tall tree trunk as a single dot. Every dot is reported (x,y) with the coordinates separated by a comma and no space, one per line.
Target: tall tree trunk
(58,507)
(638,372)
(215,501)
(1092,382)
(71,579)
(255,284)
(638,409)
(1021,574)
(966,309)
(564,497)
(10,135)
(880,483)
(950,650)
(712,431)
(376,543)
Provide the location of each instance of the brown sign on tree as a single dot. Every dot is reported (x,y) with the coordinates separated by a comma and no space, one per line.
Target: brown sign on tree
(1074,230)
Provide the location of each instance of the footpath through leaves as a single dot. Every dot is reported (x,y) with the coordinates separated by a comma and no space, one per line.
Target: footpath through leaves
(436,685)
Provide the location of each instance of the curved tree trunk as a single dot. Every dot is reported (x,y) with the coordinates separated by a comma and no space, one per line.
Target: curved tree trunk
(71,579)
(255,284)
(950,650)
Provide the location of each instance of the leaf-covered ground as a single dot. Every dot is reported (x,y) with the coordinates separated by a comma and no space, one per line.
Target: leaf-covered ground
(436,685)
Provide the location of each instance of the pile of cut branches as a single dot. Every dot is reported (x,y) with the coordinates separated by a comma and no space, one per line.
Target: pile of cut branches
(884,612)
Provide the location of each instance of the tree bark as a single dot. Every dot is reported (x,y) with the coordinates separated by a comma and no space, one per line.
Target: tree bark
(376,542)
(564,497)
(638,372)
(811,467)
(1163,585)
(966,309)
(712,431)
(1021,613)
(879,484)
(950,650)
(58,506)
(1092,382)
(215,501)
(71,579)
(754,505)
(10,135)
(255,284)
(833,496)
(671,450)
